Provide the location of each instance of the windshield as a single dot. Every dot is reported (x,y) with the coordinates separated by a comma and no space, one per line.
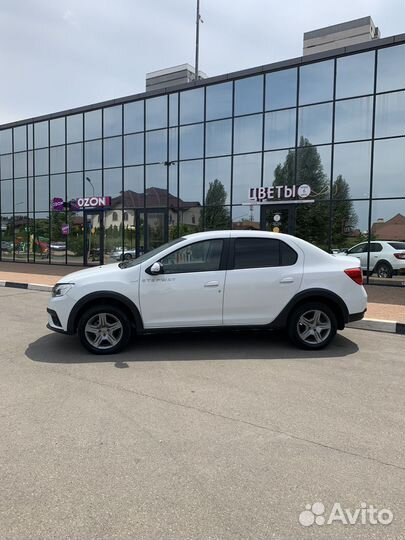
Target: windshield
(397,245)
(149,254)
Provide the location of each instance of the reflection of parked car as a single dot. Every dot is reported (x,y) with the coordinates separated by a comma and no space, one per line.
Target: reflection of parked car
(123,255)
(6,246)
(386,258)
(58,246)
(213,279)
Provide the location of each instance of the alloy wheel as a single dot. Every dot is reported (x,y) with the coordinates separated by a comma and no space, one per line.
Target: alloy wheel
(314,327)
(103,331)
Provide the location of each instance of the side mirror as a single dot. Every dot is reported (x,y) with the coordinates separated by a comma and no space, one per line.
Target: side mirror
(156,269)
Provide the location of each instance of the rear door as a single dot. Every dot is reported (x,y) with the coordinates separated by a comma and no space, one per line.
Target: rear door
(264,274)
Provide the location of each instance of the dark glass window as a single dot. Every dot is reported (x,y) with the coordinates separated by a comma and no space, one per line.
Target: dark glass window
(75,157)
(6,199)
(113,184)
(389,168)
(133,117)
(281,89)
(191,141)
(20,138)
(57,155)
(57,131)
(156,146)
(41,161)
(57,186)
(248,133)
(199,257)
(133,149)
(156,112)
(219,101)
(93,154)
(192,106)
(315,123)
(42,193)
(390,114)
(246,174)
(173,179)
(390,68)
(92,125)
(173,144)
(358,249)
(74,128)
(218,138)
(355,75)
(313,168)
(279,168)
(6,166)
(113,152)
(173,109)
(41,134)
(20,164)
(353,119)
(133,181)
(191,182)
(249,95)
(280,129)
(20,196)
(93,183)
(113,121)
(30,136)
(375,247)
(316,82)
(218,181)
(74,185)
(262,253)
(351,170)
(30,163)
(6,141)
(156,186)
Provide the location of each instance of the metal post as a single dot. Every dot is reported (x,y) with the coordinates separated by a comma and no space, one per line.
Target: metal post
(197,39)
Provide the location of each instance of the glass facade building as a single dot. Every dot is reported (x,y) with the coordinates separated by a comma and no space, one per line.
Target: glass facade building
(189,158)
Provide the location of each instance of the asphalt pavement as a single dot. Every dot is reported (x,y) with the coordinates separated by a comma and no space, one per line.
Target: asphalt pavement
(198,436)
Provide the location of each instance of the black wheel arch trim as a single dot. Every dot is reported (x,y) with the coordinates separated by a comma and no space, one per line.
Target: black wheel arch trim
(103,295)
(313,294)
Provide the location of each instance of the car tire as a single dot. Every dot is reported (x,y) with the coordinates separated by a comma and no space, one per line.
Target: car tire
(384,270)
(312,326)
(127,257)
(104,329)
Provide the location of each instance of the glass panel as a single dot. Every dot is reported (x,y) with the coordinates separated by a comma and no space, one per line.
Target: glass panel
(156,186)
(156,112)
(41,193)
(20,164)
(313,168)
(57,186)
(349,223)
(316,82)
(93,183)
(218,138)
(41,134)
(30,194)
(192,106)
(173,144)
(249,95)
(276,219)
(388,226)
(133,149)
(173,109)
(57,129)
(218,181)
(113,121)
(156,230)
(355,75)
(58,238)
(278,169)
(191,141)
(92,125)
(281,89)
(353,119)
(6,166)
(246,174)
(57,155)
(21,233)
(156,146)
(30,141)
(351,170)
(390,115)
(113,186)
(315,123)
(75,157)
(133,187)
(133,117)
(312,223)
(74,186)
(6,199)
(219,101)
(280,129)
(191,184)
(190,218)
(75,238)
(390,72)
(20,138)
(41,161)
(41,238)
(6,141)
(389,168)
(246,217)
(248,133)
(30,162)
(74,128)
(199,257)
(113,229)
(7,237)
(93,155)
(113,152)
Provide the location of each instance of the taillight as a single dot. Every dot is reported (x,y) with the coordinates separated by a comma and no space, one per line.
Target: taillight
(356,274)
(400,255)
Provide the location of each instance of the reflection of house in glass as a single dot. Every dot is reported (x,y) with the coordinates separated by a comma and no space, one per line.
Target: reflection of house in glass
(393,229)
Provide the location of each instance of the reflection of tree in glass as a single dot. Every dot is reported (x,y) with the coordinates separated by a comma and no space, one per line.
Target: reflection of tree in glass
(344,216)
(216,214)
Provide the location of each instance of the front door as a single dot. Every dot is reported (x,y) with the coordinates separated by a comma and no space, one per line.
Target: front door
(151,230)
(278,218)
(93,237)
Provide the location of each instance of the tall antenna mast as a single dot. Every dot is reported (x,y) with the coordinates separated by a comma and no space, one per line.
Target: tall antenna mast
(197,39)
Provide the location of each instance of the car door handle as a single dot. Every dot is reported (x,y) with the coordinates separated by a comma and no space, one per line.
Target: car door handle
(287,280)
(211,284)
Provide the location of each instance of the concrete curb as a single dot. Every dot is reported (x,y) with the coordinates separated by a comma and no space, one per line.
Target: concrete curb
(29,286)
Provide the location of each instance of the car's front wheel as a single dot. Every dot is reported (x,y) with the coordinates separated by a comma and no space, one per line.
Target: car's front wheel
(312,326)
(104,329)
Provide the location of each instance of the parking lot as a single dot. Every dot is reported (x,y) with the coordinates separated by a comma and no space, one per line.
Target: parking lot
(197,436)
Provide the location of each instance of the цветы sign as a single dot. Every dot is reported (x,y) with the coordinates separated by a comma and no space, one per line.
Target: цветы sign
(260,194)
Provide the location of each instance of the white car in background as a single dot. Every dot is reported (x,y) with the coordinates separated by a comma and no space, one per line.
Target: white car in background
(126,254)
(218,279)
(387,258)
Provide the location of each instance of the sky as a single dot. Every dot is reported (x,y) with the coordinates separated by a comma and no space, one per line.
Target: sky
(60,54)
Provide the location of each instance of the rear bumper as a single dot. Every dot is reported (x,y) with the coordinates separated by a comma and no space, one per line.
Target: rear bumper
(356,316)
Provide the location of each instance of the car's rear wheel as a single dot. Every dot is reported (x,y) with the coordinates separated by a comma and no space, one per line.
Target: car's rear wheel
(384,270)
(104,329)
(312,325)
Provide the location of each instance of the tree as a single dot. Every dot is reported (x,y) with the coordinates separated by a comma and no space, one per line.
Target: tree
(344,218)
(216,214)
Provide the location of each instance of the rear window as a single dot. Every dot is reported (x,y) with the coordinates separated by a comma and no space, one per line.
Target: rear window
(262,253)
(397,245)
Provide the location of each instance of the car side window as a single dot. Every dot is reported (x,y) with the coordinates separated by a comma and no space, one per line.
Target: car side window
(358,249)
(202,256)
(375,247)
(262,253)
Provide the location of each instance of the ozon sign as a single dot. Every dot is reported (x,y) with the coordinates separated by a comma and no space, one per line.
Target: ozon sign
(92,202)
(260,194)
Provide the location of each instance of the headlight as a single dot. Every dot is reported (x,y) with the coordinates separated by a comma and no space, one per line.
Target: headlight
(60,289)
